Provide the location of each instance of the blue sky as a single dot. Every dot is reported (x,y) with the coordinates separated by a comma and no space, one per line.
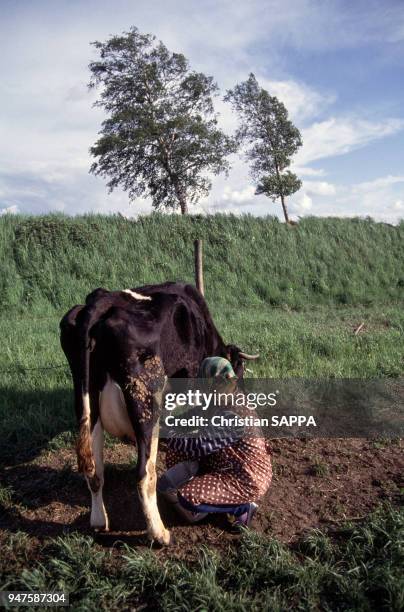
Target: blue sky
(337,65)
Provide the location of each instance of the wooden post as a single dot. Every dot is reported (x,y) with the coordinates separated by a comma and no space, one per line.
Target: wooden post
(199,266)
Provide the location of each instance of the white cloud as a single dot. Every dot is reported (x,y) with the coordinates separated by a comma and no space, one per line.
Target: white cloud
(379,183)
(239,196)
(381,199)
(337,136)
(307,171)
(319,188)
(9,210)
(301,204)
(303,102)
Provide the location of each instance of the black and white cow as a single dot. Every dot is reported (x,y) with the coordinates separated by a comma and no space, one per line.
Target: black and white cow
(121,347)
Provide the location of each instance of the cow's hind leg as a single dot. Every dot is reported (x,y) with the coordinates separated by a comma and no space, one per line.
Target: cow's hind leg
(99,518)
(147,488)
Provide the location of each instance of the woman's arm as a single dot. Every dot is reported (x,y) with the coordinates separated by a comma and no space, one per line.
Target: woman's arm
(211,440)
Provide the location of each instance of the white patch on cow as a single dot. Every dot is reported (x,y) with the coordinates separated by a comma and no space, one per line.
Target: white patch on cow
(86,406)
(136,296)
(148,497)
(113,412)
(99,517)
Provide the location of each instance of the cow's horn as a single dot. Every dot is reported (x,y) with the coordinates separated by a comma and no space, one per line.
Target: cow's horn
(248,357)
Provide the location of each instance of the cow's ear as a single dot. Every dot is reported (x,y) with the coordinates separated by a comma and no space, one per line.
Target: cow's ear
(232,349)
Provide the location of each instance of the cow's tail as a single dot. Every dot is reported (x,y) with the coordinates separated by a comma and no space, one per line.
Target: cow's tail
(85,457)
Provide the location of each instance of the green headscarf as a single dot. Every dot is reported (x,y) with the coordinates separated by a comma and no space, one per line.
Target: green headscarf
(216,367)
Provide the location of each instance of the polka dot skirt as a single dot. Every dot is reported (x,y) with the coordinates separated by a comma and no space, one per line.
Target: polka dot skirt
(234,475)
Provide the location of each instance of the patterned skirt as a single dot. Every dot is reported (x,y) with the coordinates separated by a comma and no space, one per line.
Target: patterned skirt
(233,475)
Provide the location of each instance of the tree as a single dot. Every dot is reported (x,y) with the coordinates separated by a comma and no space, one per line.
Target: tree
(272,137)
(160,137)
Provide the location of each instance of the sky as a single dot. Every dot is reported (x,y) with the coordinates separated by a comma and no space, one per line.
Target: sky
(335,64)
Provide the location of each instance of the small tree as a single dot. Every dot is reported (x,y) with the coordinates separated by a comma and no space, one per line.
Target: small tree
(161,135)
(272,137)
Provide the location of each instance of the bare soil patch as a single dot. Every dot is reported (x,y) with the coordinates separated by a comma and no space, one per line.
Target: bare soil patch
(316,484)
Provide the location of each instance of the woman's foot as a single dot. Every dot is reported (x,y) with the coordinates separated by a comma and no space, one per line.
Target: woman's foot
(244,519)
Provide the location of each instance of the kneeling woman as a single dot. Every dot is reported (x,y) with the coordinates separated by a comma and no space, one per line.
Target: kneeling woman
(222,471)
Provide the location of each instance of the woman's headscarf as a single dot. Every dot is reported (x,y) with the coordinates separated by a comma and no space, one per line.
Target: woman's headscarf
(214,368)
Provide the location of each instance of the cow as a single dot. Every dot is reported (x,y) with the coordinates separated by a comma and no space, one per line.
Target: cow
(121,347)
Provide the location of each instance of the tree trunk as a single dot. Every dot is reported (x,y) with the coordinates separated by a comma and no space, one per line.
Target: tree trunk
(285,210)
(179,192)
(183,205)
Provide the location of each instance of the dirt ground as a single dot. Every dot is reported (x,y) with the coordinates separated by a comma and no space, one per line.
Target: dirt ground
(317,483)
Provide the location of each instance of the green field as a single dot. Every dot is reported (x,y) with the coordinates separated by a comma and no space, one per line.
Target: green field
(293,294)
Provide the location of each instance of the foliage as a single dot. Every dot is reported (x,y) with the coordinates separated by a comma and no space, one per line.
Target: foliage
(161,134)
(276,186)
(55,232)
(272,137)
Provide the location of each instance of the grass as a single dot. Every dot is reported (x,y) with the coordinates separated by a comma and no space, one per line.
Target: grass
(51,262)
(358,567)
(319,468)
(36,399)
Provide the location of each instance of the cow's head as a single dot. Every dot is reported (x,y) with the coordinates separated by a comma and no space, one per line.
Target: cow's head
(237,358)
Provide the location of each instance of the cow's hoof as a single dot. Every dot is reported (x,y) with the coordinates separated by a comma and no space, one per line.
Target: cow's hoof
(102,526)
(162,540)
(102,529)
(99,520)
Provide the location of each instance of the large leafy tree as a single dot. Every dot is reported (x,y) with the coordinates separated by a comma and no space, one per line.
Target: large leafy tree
(160,138)
(271,137)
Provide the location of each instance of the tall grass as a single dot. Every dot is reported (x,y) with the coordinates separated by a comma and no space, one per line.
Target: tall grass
(52,262)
